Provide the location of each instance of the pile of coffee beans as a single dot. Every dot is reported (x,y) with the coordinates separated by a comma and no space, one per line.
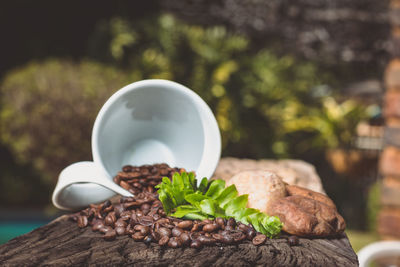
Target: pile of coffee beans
(143,178)
(142,217)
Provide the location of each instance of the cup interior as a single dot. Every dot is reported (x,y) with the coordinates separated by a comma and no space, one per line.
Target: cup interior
(155,121)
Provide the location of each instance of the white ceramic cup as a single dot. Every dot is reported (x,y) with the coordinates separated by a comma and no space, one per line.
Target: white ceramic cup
(146,122)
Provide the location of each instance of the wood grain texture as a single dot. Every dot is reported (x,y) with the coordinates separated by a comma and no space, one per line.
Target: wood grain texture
(62,243)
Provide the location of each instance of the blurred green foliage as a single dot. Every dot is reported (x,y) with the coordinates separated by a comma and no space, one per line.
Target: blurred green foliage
(266,105)
(48,110)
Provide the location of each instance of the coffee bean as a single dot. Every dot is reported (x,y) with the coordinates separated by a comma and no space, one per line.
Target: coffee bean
(210,228)
(105,204)
(119,209)
(185,224)
(145,206)
(229,228)
(176,231)
(293,240)
(163,231)
(97,225)
(110,219)
(220,222)
(206,240)
(251,233)
(185,239)
(137,236)
(196,227)
(196,244)
(244,228)
(145,220)
(121,223)
(82,221)
(259,239)
(174,242)
(124,185)
(120,230)
(231,222)
(105,229)
(110,235)
(238,236)
(145,230)
(156,217)
(163,241)
(127,168)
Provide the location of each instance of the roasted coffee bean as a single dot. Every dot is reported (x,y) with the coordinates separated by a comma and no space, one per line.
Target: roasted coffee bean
(174,242)
(156,236)
(185,224)
(176,231)
(293,240)
(137,236)
(238,236)
(163,241)
(220,222)
(156,217)
(163,231)
(105,204)
(119,209)
(82,221)
(139,214)
(105,229)
(145,206)
(231,222)
(97,225)
(124,185)
(259,239)
(251,233)
(137,185)
(206,221)
(146,220)
(127,168)
(229,228)
(185,239)
(206,240)
(145,230)
(195,228)
(196,244)
(120,230)
(120,223)
(210,228)
(242,227)
(110,235)
(227,239)
(110,219)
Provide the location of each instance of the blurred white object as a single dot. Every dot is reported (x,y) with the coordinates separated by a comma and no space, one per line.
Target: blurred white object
(378,250)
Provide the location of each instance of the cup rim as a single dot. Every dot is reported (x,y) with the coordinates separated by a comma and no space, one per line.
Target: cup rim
(212,137)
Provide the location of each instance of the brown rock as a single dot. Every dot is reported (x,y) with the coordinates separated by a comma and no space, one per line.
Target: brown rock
(295,172)
(261,186)
(304,216)
(390,191)
(300,191)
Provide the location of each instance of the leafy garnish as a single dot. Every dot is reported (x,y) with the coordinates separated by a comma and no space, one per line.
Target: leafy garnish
(182,198)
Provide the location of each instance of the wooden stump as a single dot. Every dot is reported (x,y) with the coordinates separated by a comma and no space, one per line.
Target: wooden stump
(62,243)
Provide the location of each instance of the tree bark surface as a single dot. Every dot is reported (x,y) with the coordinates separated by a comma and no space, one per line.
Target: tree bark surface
(62,243)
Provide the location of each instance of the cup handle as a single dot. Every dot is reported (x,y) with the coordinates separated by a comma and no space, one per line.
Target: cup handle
(69,195)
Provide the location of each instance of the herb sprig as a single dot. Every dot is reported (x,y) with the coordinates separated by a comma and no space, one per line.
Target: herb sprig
(182,198)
